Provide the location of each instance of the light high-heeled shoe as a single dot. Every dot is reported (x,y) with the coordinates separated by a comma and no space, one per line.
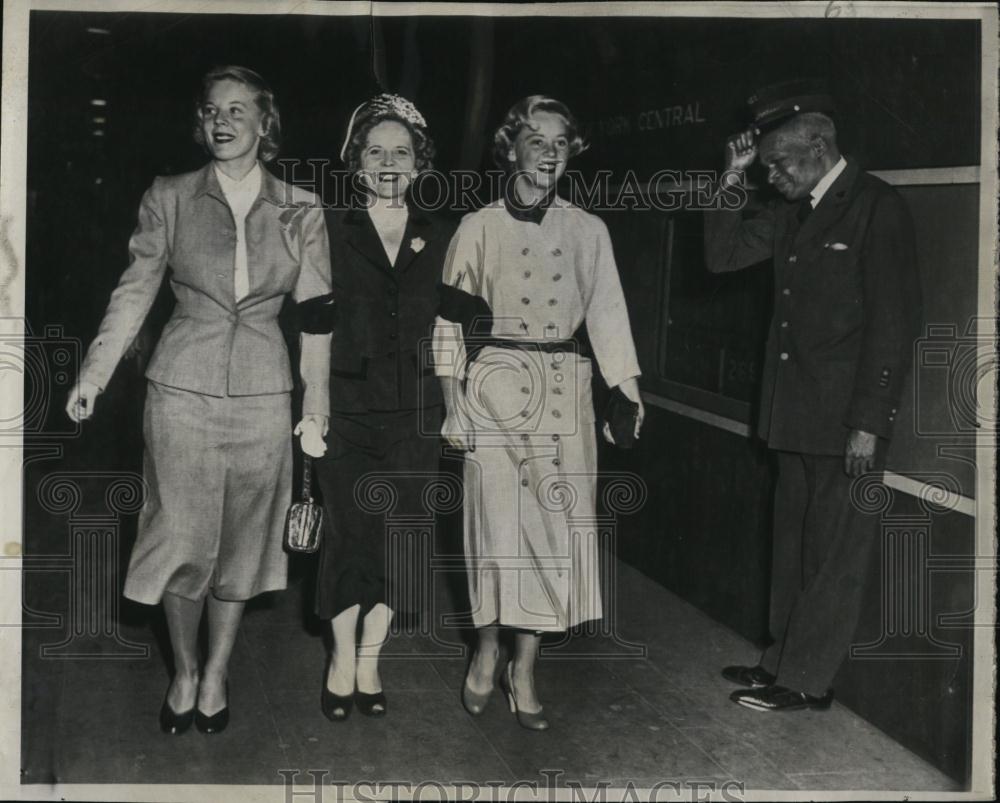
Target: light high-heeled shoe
(533,722)
(475,702)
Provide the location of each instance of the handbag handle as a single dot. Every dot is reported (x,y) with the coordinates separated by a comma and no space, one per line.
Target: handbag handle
(306,478)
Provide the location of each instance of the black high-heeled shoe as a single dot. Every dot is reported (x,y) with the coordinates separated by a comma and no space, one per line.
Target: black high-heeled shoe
(336,707)
(173,723)
(217,722)
(371,705)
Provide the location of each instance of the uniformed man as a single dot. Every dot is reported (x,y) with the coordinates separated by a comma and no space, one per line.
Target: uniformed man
(847,309)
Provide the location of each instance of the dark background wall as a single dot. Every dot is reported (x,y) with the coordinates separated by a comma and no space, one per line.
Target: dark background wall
(909,95)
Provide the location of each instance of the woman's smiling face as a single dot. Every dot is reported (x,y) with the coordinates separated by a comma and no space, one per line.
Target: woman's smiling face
(388,163)
(231,122)
(541,149)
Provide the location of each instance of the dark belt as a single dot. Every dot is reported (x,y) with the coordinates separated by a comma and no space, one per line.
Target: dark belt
(570,346)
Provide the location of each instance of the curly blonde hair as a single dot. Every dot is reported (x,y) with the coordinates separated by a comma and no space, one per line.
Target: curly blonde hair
(519,115)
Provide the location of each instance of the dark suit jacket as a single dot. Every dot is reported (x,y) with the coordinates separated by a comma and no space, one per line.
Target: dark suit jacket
(847,309)
(380,355)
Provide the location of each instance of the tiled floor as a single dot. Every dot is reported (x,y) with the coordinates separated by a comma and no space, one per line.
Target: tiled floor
(645,705)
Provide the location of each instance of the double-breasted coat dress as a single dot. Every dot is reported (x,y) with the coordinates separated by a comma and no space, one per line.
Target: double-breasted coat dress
(217,420)
(531,543)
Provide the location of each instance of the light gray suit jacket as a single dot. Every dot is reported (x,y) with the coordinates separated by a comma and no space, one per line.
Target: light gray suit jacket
(213,344)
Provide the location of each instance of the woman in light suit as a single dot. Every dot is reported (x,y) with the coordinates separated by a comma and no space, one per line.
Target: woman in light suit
(234,241)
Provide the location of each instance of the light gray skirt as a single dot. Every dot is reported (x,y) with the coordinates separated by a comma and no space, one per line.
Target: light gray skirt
(218,474)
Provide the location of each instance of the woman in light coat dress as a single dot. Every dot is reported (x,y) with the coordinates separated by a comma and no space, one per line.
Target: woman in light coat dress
(537,267)
(217,459)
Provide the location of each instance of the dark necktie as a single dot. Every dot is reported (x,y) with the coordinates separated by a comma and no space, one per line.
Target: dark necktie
(804,210)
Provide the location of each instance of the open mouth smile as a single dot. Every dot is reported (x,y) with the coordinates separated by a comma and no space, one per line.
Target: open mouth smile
(222,137)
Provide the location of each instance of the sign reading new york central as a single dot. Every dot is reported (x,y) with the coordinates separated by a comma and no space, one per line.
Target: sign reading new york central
(674,116)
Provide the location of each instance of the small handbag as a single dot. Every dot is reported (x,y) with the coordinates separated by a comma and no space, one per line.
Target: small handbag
(621,414)
(304,522)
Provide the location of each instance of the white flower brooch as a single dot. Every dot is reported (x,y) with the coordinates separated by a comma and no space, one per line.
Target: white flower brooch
(417,244)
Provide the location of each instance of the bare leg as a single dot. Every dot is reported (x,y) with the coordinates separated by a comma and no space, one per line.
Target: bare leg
(523,674)
(223,624)
(183,617)
(484,661)
(340,678)
(373,636)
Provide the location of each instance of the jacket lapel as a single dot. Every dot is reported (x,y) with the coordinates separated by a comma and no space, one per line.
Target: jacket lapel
(217,211)
(831,205)
(418,232)
(360,234)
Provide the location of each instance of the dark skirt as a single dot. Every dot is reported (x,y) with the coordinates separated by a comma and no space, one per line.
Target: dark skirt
(218,473)
(379,481)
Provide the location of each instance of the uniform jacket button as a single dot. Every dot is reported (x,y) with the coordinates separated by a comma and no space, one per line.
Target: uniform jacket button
(524,251)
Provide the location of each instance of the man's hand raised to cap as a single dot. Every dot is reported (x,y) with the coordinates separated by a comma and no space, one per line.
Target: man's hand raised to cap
(741,150)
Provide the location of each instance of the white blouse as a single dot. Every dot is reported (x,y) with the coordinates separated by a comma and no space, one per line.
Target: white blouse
(240,195)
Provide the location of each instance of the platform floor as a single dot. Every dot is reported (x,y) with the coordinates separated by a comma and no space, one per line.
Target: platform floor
(643,706)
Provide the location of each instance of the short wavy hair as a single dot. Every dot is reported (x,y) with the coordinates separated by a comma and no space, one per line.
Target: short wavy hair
(270,143)
(423,145)
(519,115)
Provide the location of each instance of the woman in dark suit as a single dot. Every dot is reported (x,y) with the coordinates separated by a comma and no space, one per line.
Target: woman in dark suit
(387,257)
(218,456)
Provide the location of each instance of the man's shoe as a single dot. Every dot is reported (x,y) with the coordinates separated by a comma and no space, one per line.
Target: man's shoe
(753,677)
(778,698)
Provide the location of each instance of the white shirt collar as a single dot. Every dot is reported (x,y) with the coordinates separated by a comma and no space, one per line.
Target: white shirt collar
(824,183)
(249,183)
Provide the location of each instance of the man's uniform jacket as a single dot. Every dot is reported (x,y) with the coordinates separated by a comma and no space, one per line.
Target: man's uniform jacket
(847,309)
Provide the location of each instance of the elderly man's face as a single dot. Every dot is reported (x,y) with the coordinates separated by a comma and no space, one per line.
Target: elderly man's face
(794,165)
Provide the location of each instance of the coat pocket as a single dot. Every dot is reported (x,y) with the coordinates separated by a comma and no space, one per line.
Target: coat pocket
(349,369)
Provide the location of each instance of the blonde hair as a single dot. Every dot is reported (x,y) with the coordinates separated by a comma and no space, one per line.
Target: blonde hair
(270,142)
(519,115)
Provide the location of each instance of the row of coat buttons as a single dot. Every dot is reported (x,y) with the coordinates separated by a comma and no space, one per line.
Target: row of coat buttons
(556,252)
(787,291)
